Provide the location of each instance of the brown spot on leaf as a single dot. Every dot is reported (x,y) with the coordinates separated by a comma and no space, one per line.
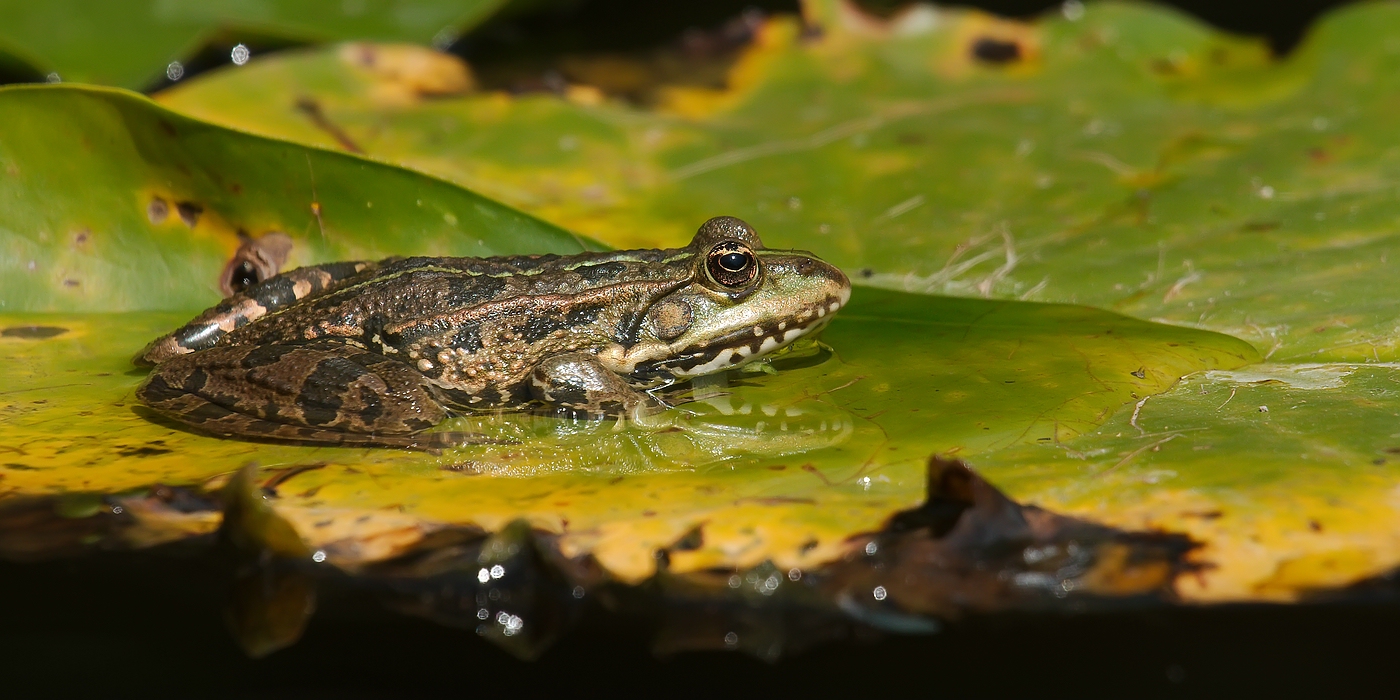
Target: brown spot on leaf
(1163,66)
(70,283)
(147,450)
(157,211)
(777,501)
(1203,514)
(189,213)
(995,51)
(467,467)
(33,332)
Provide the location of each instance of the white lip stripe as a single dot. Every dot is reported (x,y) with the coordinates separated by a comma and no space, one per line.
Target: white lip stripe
(745,353)
(735,357)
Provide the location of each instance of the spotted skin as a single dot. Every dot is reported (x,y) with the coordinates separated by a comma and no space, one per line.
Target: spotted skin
(258,300)
(376,353)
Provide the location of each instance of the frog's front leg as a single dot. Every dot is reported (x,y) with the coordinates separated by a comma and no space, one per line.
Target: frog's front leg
(258,300)
(577,380)
(320,392)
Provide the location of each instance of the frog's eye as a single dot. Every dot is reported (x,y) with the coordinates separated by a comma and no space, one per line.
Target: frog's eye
(242,277)
(732,264)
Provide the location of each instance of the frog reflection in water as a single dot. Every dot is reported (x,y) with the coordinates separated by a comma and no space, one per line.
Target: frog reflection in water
(375,353)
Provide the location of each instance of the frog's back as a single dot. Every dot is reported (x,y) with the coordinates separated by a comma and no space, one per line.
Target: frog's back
(403,299)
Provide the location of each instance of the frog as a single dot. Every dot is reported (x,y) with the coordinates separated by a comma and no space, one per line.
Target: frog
(376,353)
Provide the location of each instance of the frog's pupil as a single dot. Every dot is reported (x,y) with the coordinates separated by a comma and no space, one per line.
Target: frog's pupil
(734,262)
(243,276)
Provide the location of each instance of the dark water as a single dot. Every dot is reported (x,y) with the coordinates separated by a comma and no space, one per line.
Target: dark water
(124,625)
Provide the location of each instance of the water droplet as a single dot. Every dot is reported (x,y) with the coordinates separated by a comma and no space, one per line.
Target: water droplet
(1266,192)
(240,55)
(498,571)
(1073,10)
(879,593)
(578,592)
(318,556)
(871,548)
(53,78)
(731,640)
(175,71)
(483,575)
(735,581)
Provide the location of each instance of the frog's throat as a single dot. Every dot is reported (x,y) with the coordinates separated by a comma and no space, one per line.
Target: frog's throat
(726,352)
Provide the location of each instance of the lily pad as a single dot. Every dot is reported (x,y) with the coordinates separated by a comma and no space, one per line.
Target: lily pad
(1122,156)
(1310,507)
(167,202)
(130,44)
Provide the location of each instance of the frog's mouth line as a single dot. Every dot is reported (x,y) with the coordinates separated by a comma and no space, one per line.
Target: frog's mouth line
(746,345)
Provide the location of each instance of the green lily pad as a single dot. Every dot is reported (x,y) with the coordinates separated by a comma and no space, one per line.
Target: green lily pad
(167,201)
(1241,461)
(767,467)
(129,44)
(1124,157)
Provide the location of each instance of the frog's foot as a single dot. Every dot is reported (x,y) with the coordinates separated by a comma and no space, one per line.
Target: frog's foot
(578,381)
(302,394)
